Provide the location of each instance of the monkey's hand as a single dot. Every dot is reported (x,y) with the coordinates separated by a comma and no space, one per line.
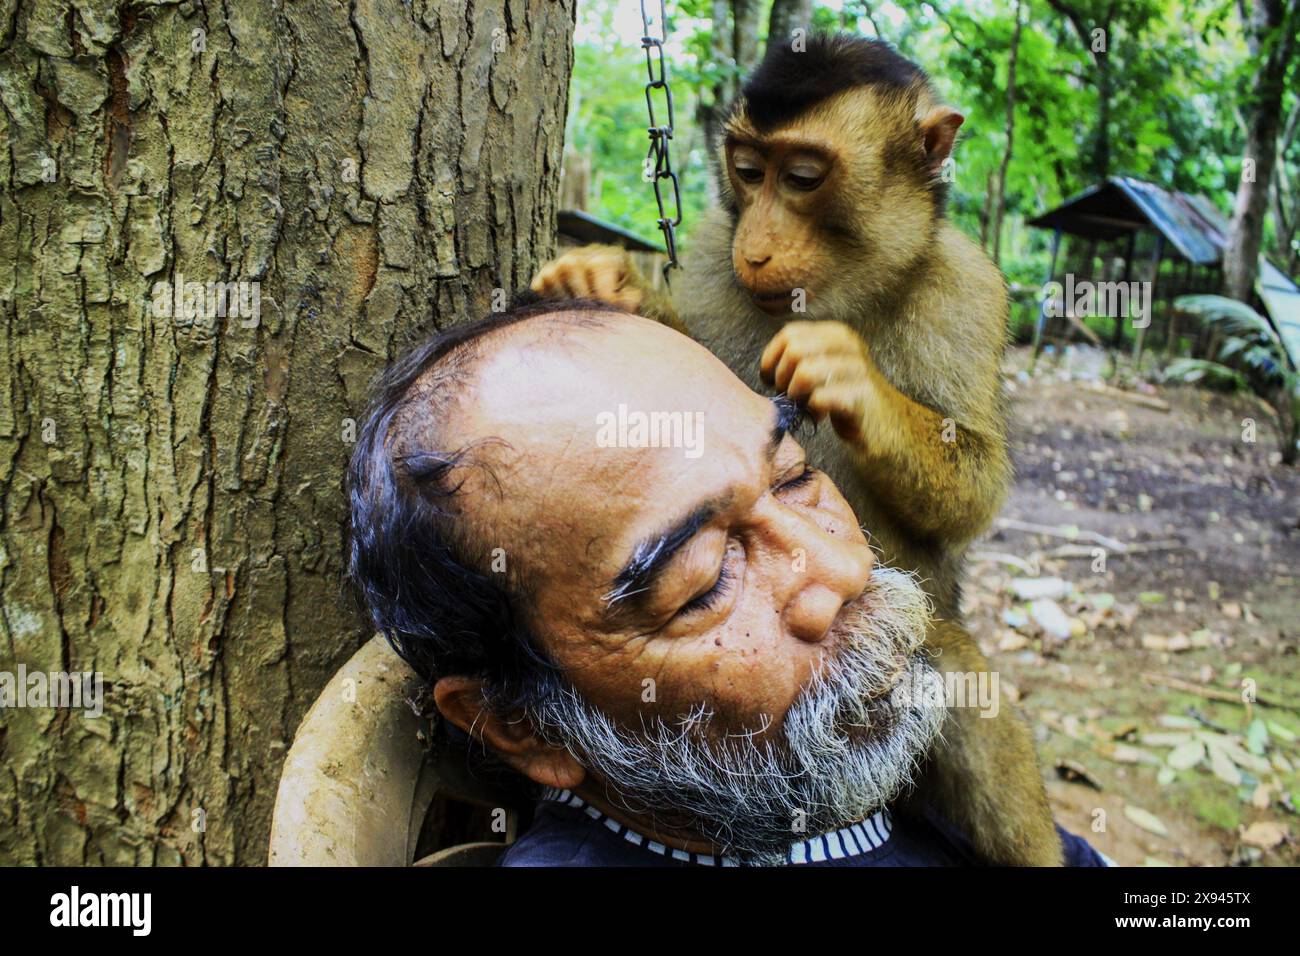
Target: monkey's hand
(607,274)
(939,479)
(827,367)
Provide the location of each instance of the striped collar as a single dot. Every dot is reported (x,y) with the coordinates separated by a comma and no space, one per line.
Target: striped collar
(856,840)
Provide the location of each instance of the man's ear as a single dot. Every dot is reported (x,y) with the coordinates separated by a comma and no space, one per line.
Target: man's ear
(461,701)
(938,133)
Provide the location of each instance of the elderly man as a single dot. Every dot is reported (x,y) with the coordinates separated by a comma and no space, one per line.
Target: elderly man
(618,572)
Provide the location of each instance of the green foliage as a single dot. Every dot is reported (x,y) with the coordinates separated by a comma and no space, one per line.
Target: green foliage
(1190,371)
(608,119)
(1175,74)
(1245,331)
(1246,353)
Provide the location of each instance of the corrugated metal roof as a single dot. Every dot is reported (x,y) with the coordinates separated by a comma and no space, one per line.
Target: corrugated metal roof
(1282,300)
(1192,225)
(1178,217)
(585,227)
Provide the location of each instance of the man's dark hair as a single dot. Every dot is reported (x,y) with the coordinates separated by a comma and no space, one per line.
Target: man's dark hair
(417,569)
(787,82)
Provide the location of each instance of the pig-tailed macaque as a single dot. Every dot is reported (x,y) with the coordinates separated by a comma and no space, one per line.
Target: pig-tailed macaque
(828,271)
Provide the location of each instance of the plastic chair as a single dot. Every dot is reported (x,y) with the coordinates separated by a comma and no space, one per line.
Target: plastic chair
(358,784)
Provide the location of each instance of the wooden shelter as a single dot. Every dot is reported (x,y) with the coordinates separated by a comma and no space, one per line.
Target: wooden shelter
(1128,230)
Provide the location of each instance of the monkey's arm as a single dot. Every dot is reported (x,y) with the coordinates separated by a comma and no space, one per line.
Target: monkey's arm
(606,273)
(983,775)
(940,477)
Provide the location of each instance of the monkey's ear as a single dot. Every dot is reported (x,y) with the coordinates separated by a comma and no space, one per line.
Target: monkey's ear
(939,131)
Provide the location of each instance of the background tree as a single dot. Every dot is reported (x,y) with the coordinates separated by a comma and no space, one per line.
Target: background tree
(1271,28)
(786,16)
(170,486)
(1284,190)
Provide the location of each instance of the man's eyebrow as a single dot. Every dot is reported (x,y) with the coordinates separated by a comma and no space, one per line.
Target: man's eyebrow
(788,416)
(653,554)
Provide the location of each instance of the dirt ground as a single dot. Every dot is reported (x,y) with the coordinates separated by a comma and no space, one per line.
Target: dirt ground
(1139,597)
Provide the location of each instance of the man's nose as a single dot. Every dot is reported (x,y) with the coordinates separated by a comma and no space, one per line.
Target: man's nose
(812,611)
(826,573)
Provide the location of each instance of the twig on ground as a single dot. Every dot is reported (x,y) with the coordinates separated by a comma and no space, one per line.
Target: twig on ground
(1029,567)
(1213,693)
(1069,532)
(1079,551)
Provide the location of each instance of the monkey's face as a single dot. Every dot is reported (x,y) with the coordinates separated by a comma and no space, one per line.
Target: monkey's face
(835,204)
(782,185)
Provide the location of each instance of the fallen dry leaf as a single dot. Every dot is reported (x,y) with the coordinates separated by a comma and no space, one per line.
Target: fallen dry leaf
(1265,834)
(1072,771)
(1186,755)
(1145,819)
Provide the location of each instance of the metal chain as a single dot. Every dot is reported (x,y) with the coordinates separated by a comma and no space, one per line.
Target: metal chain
(660,136)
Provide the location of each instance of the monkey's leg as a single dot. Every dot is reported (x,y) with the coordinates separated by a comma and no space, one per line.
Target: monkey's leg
(984,775)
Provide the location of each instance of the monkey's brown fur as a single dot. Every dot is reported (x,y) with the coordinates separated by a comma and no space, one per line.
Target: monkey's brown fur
(918,446)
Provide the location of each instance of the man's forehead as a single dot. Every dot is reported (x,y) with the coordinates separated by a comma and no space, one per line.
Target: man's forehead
(609,490)
(603,435)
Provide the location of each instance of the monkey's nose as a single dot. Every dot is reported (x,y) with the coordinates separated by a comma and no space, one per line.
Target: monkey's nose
(757,261)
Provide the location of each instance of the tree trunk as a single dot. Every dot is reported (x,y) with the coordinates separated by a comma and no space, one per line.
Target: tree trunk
(1085,22)
(170,480)
(787,16)
(1282,193)
(1101,152)
(1000,202)
(708,115)
(1266,18)
(746,16)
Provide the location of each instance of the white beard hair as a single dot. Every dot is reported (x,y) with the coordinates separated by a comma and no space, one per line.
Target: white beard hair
(745,795)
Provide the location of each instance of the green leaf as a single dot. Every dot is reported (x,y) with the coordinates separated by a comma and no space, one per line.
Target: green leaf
(1257,736)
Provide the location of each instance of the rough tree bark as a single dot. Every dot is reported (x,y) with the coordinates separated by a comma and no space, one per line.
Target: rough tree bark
(1270,27)
(170,487)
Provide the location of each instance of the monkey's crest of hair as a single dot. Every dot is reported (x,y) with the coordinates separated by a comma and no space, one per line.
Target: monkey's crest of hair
(788,82)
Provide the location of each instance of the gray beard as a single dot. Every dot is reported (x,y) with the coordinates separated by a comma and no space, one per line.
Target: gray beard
(848,745)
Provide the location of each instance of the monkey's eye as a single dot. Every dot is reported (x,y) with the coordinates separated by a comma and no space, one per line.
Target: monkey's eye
(804,181)
(747,164)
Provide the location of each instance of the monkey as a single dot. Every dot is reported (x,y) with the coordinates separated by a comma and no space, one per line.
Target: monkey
(828,270)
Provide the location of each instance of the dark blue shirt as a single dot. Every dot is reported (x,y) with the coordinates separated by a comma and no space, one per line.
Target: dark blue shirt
(578,835)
